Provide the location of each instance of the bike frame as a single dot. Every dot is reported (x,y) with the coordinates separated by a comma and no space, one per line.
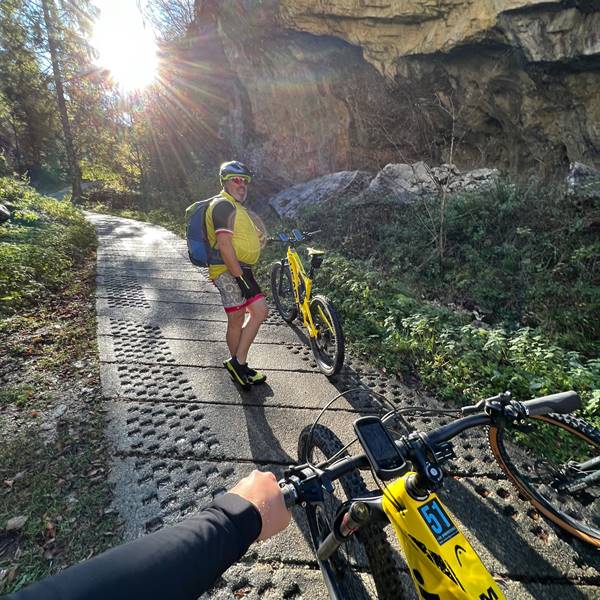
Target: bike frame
(302,284)
(442,563)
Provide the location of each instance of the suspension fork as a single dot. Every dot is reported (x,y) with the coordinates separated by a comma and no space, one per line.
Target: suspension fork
(284,264)
(351,517)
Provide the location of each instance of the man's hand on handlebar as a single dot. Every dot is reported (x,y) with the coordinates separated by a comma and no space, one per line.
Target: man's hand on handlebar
(262,490)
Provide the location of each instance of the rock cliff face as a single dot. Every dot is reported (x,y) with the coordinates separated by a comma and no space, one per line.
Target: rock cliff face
(311,87)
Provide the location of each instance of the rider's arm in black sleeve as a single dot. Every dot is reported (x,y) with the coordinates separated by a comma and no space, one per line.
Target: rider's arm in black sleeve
(178,563)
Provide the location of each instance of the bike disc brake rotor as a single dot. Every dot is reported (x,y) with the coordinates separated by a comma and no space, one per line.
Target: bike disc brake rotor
(325,340)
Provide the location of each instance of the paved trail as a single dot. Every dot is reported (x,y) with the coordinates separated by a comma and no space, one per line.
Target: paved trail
(182,433)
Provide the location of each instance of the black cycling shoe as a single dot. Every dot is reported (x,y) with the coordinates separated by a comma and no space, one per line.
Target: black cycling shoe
(254,377)
(237,373)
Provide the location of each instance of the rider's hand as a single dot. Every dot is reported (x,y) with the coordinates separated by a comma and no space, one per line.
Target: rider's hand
(244,288)
(262,490)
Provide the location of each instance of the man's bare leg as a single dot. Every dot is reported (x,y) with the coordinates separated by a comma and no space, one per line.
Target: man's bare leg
(258,311)
(235,322)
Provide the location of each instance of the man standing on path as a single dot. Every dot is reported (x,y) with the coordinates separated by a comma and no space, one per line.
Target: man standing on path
(232,231)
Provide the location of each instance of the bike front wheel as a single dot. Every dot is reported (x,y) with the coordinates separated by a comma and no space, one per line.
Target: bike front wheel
(283,292)
(328,345)
(554,461)
(366,566)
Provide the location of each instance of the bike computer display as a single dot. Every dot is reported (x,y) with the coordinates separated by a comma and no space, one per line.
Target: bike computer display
(380,449)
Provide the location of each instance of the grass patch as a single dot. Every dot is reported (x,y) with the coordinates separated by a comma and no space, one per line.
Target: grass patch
(17,395)
(53,458)
(61,488)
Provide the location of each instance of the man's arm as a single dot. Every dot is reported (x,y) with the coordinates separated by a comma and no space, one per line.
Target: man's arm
(179,562)
(225,246)
(233,266)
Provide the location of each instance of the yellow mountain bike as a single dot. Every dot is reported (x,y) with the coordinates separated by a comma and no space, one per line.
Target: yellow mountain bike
(346,521)
(292,293)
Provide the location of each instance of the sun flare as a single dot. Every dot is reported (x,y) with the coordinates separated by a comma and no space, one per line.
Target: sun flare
(125,47)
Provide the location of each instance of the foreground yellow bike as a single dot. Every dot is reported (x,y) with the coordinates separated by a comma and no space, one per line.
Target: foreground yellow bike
(346,521)
(292,286)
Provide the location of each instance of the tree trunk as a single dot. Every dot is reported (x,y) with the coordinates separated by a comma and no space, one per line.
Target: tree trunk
(49,15)
(18,158)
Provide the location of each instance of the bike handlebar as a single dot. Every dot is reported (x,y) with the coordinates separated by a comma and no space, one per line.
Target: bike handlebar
(292,239)
(564,402)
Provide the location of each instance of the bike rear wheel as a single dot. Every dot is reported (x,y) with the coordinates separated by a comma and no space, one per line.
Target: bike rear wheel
(549,460)
(366,566)
(328,346)
(283,292)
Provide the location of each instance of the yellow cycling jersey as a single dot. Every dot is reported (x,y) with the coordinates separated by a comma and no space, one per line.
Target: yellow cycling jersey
(237,221)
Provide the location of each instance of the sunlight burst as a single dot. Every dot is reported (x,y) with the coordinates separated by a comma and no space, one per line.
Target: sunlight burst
(125,47)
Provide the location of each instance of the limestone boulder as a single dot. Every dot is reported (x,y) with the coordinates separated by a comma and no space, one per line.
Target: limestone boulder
(583,182)
(404,182)
(4,214)
(328,188)
(401,183)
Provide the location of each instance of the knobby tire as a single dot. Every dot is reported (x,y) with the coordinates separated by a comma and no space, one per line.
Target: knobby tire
(328,348)
(535,456)
(283,292)
(366,566)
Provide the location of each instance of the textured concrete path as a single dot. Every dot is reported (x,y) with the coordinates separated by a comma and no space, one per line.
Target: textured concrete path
(182,432)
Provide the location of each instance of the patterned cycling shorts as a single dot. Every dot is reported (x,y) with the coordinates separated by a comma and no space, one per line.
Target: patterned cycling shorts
(231,295)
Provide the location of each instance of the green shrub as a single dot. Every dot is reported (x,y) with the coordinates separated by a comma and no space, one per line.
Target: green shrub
(453,356)
(518,254)
(40,244)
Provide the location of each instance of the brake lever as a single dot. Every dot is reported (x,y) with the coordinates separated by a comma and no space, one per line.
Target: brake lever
(473,409)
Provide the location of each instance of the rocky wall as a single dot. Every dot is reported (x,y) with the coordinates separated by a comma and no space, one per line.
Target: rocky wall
(316,87)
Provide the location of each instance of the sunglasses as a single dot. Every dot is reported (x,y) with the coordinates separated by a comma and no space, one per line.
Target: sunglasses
(239,180)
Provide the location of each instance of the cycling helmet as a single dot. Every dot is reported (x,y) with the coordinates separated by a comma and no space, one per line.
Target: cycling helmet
(234,168)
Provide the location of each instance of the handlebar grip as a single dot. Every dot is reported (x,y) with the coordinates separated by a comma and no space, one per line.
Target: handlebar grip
(565,402)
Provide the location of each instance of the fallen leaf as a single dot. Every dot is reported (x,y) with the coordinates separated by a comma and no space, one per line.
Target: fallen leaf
(50,530)
(16,523)
(12,573)
(9,483)
(34,413)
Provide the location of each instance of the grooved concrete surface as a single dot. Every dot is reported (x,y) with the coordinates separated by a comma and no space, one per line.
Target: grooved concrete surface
(182,432)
